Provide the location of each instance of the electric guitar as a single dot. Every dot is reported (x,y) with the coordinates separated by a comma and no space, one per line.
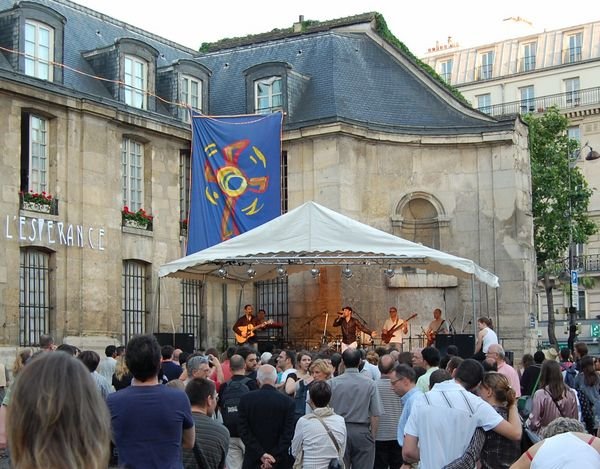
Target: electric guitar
(387,336)
(431,335)
(249,331)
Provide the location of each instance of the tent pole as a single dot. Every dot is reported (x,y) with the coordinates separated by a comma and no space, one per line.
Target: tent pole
(474,306)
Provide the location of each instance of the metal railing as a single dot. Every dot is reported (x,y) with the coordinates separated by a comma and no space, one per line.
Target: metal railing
(527,64)
(570,99)
(571,55)
(484,72)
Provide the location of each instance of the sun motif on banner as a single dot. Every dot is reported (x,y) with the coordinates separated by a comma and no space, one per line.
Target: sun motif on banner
(237,185)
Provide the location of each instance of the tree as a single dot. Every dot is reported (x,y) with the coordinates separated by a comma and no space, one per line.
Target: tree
(560,199)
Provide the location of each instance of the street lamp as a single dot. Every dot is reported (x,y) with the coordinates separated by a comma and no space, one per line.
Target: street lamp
(574,273)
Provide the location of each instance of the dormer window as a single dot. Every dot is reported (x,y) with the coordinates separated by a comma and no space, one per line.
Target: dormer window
(39,50)
(268,95)
(136,82)
(191,94)
(267,86)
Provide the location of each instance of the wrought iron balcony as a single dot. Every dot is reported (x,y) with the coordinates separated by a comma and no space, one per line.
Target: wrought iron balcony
(527,64)
(571,55)
(563,101)
(484,72)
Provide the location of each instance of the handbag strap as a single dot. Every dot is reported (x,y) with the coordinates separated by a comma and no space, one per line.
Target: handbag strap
(337,447)
(555,403)
(536,383)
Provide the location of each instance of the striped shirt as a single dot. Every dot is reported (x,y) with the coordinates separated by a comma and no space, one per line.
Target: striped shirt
(212,438)
(392,408)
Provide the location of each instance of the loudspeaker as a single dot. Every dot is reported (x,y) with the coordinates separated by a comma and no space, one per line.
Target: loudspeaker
(464,342)
(178,340)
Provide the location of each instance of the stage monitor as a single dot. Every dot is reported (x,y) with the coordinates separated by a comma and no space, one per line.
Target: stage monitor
(464,342)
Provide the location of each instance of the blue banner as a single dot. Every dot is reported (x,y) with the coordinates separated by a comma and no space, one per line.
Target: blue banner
(235,176)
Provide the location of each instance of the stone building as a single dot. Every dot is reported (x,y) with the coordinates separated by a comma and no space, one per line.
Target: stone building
(529,72)
(367,132)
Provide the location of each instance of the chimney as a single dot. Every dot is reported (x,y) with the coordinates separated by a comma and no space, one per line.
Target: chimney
(298,26)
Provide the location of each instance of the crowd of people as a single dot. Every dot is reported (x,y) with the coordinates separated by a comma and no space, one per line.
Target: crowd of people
(147,406)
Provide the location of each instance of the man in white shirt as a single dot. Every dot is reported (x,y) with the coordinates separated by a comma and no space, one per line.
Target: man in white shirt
(444,419)
(396,327)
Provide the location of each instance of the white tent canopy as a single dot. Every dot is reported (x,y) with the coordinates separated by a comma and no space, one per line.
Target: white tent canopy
(311,236)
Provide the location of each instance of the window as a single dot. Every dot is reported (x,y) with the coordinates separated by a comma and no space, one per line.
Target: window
(34,153)
(572,53)
(132,167)
(39,50)
(575,133)
(34,296)
(446,70)
(527,62)
(134,298)
(191,301)
(272,296)
(136,82)
(527,99)
(191,94)
(486,65)
(268,95)
(185,182)
(581,310)
(572,91)
(484,103)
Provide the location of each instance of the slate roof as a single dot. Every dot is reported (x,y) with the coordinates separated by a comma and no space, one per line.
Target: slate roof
(351,78)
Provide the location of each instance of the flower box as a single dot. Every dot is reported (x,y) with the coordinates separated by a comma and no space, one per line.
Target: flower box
(139,220)
(37,207)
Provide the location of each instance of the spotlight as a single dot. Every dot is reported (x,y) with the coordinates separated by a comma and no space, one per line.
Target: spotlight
(281,272)
(389,272)
(251,272)
(222,272)
(315,272)
(347,273)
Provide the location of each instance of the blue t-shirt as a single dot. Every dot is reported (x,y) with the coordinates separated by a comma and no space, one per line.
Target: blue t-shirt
(147,425)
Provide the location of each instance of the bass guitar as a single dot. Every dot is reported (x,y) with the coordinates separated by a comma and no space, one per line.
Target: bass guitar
(250,331)
(387,336)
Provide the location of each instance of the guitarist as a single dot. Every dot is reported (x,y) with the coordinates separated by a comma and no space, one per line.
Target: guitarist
(241,326)
(398,327)
(437,326)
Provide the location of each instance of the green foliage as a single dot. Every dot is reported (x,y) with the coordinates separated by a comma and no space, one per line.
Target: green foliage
(384,32)
(560,193)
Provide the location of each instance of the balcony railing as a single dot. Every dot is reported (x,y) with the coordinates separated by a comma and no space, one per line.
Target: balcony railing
(527,64)
(587,264)
(484,72)
(571,55)
(570,99)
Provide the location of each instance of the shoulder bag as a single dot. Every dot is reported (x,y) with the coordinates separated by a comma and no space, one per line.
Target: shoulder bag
(334,463)
(525,403)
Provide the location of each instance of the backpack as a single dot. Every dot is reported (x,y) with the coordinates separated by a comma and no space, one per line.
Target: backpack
(570,374)
(230,400)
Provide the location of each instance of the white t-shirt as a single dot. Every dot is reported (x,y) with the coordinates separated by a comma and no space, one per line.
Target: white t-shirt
(565,451)
(398,334)
(489,338)
(444,420)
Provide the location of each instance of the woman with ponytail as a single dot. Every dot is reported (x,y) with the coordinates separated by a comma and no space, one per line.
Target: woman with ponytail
(485,337)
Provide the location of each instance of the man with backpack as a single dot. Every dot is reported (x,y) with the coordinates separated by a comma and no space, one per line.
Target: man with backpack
(229,398)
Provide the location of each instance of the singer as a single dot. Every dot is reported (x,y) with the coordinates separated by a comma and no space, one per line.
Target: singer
(349,327)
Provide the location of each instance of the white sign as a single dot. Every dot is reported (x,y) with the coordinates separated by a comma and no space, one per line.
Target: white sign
(575,289)
(45,231)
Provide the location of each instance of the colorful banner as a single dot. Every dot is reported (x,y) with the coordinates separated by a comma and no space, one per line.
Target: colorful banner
(235,176)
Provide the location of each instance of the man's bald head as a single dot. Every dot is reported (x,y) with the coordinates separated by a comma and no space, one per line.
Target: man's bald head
(267,374)
(386,364)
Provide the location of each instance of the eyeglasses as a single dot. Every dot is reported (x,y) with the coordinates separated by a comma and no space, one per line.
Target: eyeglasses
(394,381)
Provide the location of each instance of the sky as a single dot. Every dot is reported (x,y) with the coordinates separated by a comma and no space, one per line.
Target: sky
(419,24)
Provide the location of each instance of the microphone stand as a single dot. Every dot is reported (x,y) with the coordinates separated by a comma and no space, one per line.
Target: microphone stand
(451,328)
